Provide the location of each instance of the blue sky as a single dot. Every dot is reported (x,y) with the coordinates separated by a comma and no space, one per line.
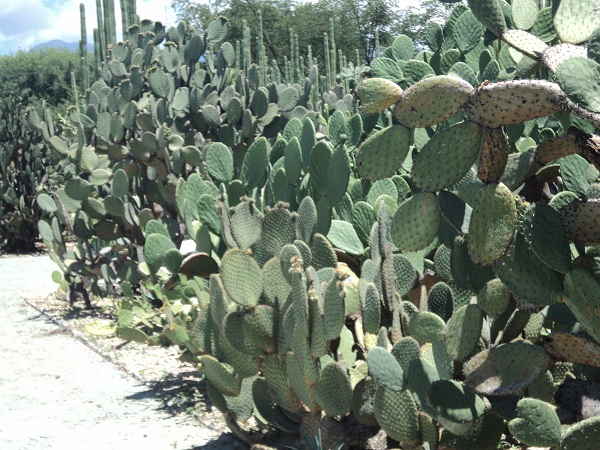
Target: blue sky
(25,23)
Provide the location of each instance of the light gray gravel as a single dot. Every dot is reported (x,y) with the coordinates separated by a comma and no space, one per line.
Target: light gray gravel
(56,393)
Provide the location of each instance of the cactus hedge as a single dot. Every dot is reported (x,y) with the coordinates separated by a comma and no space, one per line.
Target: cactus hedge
(413,265)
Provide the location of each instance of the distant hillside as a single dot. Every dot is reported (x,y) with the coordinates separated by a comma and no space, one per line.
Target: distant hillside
(57,43)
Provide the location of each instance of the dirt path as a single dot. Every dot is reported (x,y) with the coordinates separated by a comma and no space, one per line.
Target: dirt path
(56,393)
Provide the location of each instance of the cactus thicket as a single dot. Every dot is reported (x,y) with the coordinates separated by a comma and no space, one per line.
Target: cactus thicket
(383,265)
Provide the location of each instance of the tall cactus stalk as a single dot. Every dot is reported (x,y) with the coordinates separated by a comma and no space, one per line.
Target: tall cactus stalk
(101,31)
(327,61)
(125,19)
(85,76)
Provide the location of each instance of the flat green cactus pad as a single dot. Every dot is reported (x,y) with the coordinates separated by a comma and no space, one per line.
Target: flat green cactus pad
(447,157)
(221,375)
(489,13)
(416,222)
(384,368)
(397,414)
(464,330)
(431,101)
(383,153)
(522,272)
(241,277)
(426,326)
(583,435)
(546,236)
(515,101)
(376,94)
(494,298)
(579,77)
(582,295)
(363,400)
(455,402)
(525,42)
(537,424)
(492,224)
(506,369)
(573,348)
(333,390)
(576,20)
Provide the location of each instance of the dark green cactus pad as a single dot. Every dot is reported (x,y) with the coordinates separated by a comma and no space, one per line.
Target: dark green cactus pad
(466,274)
(259,328)
(405,273)
(155,247)
(273,368)
(371,309)
(582,296)
(416,222)
(276,287)
(405,350)
(254,167)
(363,217)
(384,368)
(426,326)
(494,298)
(397,414)
(447,157)
(220,375)
(582,436)
(440,300)
(573,348)
(574,171)
(519,168)
(322,252)
(377,94)
(455,402)
(447,93)
(546,236)
(246,224)
(576,20)
(333,391)
(489,13)
(383,153)
(520,270)
(363,402)
(582,220)
(543,387)
(506,369)
(419,377)
(333,310)
(438,357)
(492,224)
(483,435)
(464,330)
(241,277)
(132,334)
(515,101)
(537,424)
(494,155)
(219,161)
(307,219)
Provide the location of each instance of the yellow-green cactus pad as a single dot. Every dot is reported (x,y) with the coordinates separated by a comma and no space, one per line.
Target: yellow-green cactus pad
(383,153)
(376,94)
(416,222)
(432,100)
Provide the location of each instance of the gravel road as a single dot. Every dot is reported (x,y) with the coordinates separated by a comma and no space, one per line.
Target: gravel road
(56,393)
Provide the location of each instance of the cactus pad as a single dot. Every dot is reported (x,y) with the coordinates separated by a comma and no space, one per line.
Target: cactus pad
(492,224)
(397,414)
(447,157)
(537,424)
(221,376)
(494,155)
(494,298)
(582,220)
(448,94)
(582,296)
(464,330)
(416,222)
(455,402)
(241,277)
(573,348)
(426,326)
(376,94)
(508,102)
(383,153)
(523,274)
(576,20)
(582,436)
(384,368)
(333,390)
(579,78)
(506,369)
